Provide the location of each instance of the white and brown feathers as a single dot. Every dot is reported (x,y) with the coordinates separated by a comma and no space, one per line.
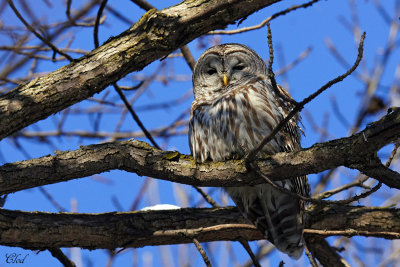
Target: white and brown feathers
(235,107)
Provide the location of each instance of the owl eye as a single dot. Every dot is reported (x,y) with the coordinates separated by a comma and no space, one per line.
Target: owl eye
(211,71)
(238,67)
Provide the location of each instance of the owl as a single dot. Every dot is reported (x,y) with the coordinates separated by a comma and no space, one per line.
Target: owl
(235,107)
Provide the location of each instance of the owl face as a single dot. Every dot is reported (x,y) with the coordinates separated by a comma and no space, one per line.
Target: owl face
(222,67)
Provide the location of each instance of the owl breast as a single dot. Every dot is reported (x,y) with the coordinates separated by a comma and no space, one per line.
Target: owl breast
(235,122)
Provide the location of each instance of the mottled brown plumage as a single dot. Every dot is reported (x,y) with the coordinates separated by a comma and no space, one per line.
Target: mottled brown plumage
(235,107)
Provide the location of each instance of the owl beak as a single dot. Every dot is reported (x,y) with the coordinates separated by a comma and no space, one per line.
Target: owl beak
(226,80)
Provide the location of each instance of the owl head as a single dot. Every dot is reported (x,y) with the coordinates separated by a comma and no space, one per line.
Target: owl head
(221,67)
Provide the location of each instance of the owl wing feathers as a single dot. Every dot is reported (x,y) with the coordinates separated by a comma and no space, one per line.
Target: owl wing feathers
(233,124)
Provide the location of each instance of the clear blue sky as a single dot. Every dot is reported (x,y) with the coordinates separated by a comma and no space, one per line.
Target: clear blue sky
(292,34)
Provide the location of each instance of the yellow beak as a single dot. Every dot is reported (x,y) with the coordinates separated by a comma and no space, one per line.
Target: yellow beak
(226,81)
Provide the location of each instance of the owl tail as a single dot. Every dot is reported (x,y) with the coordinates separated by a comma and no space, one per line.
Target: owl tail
(278,215)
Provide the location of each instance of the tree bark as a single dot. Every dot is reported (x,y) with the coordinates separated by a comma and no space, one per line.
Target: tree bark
(155,35)
(39,230)
(357,151)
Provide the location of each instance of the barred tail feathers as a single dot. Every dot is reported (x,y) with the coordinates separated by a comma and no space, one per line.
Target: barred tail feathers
(276,214)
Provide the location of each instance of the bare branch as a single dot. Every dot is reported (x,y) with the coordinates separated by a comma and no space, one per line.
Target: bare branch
(30,28)
(206,197)
(202,252)
(265,22)
(246,246)
(40,230)
(58,254)
(290,66)
(188,56)
(97,23)
(271,74)
(135,116)
(143,4)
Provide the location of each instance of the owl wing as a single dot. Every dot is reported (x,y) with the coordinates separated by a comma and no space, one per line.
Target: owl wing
(291,134)
(279,216)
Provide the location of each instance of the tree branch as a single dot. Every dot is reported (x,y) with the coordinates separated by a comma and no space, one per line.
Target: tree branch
(154,36)
(58,254)
(357,151)
(40,230)
(325,254)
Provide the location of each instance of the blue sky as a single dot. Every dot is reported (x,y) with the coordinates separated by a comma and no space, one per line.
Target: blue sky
(292,35)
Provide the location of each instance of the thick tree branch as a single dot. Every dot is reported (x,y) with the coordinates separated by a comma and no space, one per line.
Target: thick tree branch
(154,36)
(357,151)
(40,230)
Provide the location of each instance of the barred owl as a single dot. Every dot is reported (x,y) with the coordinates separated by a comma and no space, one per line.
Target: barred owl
(234,108)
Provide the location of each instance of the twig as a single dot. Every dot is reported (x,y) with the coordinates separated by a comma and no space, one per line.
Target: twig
(119,16)
(39,48)
(386,17)
(206,197)
(143,4)
(251,156)
(323,180)
(68,11)
(97,22)
(264,22)
(59,255)
(352,232)
(261,253)
(31,29)
(146,83)
(246,246)
(140,194)
(337,112)
(135,116)
(202,252)
(111,257)
(313,200)
(271,74)
(51,199)
(188,56)
(391,157)
(342,61)
(291,65)
(132,88)
(326,194)
(310,257)
(159,132)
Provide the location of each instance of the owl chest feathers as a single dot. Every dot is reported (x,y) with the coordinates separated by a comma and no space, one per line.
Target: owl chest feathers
(235,122)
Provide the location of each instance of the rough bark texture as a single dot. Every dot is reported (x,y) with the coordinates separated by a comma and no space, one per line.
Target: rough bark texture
(39,230)
(155,35)
(357,151)
(353,220)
